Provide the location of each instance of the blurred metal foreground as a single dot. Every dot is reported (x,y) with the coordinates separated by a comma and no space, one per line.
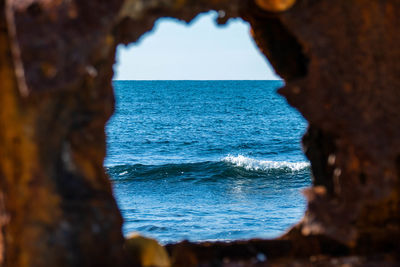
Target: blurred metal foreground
(340,60)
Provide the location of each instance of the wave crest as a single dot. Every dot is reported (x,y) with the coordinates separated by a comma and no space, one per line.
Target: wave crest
(264,165)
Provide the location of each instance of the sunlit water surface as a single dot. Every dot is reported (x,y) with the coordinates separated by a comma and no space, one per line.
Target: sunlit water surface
(206,160)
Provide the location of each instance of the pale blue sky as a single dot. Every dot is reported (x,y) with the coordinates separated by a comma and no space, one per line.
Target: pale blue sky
(199,51)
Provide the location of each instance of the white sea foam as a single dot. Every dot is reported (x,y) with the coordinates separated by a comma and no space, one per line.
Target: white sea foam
(264,165)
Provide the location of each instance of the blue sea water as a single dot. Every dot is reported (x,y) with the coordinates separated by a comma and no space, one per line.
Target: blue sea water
(206,160)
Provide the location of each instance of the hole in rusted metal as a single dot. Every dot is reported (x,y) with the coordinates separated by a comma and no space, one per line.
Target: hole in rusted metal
(282,48)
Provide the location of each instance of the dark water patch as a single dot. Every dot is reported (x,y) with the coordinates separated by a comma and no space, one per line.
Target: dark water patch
(229,167)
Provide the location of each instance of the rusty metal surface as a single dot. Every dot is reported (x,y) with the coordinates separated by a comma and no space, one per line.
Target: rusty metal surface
(341,63)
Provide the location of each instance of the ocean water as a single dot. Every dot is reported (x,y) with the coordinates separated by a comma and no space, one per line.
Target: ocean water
(206,160)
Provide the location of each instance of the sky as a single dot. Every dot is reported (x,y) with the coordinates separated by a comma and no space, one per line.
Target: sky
(201,50)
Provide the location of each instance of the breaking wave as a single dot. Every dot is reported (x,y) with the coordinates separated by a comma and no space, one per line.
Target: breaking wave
(264,165)
(228,167)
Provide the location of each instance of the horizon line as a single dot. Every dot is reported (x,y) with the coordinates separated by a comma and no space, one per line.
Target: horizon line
(116,80)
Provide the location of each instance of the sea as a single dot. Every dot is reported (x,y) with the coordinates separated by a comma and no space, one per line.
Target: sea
(206,160)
